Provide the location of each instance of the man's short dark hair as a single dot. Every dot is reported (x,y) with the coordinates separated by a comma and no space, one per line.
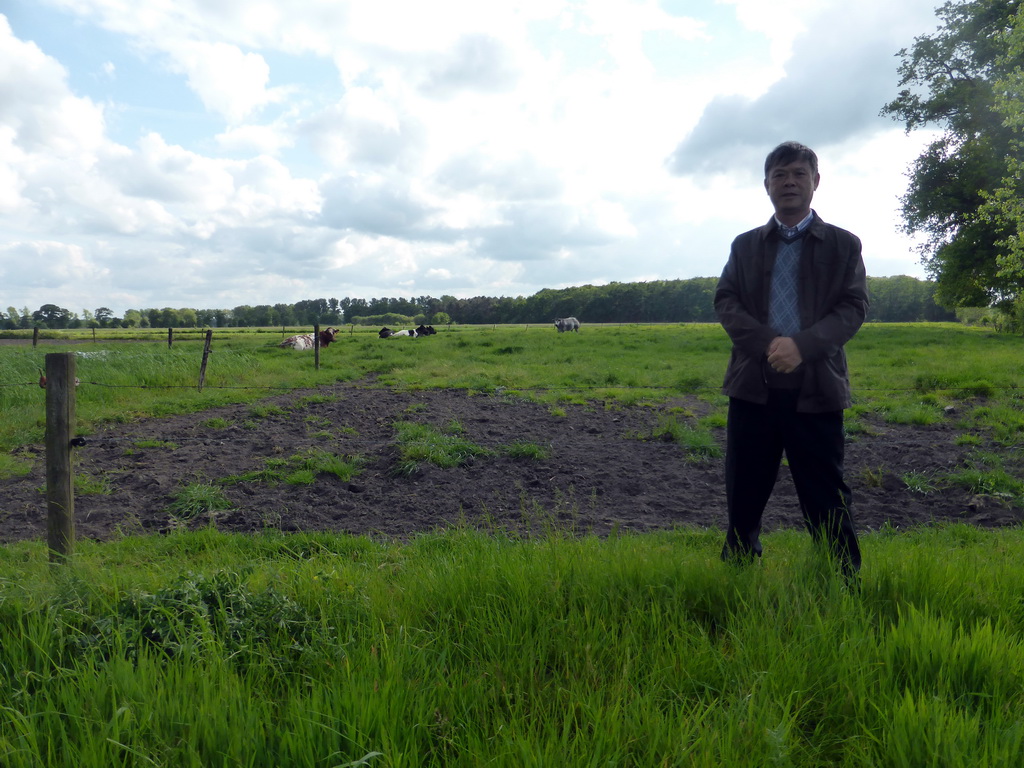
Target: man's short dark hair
(790,152)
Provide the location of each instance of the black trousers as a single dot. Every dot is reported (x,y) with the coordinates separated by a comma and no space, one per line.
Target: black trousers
(757,436)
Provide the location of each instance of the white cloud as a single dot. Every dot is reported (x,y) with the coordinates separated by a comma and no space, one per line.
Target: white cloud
(781,21)
(474,63)
(228,81)
(365,128)
(12,183)
(53,265)
(519,176)
(833,91)
(257,139)
(37,106)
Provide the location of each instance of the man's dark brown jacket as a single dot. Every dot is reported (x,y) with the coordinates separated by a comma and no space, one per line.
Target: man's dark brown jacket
(833,304)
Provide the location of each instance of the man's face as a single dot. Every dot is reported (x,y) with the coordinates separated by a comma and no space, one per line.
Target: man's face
(791,188)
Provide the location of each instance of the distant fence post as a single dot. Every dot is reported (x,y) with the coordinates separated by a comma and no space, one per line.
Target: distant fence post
(60,427)
(316,346)
(206,356)
(170,337)
(35,337)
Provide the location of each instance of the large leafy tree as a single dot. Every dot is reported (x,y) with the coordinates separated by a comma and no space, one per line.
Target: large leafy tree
(1005,207)
(949,81)
(52,316)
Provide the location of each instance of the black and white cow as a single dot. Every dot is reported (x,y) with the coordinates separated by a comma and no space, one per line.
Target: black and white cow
(412,333)
(385,332)
(305,340)
(564,324)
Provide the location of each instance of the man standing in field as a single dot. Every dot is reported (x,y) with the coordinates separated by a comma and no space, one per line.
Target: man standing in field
(793,292)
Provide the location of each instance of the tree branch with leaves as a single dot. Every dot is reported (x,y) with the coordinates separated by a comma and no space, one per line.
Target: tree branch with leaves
(1004,207)
(950,80)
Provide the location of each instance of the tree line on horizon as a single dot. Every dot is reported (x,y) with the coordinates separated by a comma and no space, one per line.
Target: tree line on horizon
(893,299)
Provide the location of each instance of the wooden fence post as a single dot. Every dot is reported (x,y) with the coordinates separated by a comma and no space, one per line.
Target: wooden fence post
(316,346)
(35,337)
(206,356)
(60,428)
(170,337)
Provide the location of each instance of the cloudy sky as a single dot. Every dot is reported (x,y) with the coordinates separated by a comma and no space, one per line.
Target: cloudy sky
(213,153)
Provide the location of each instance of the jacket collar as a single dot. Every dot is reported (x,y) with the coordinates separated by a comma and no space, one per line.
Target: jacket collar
(816,227)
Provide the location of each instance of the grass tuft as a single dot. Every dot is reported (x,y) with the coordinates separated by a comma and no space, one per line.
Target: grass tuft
(195,499)
(526,450)
(918,482)
(14,465)
(301,469)
(699,444)
(93,485)
(422,443)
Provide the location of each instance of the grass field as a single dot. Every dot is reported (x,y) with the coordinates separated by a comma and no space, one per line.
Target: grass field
(461,649)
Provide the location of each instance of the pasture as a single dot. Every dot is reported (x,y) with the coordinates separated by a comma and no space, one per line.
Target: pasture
(538,637)
(909,372)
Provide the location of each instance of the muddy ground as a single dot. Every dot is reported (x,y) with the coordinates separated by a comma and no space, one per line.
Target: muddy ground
(602,474)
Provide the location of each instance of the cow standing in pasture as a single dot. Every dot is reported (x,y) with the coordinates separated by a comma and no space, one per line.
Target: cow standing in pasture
(564,324)
(305,340)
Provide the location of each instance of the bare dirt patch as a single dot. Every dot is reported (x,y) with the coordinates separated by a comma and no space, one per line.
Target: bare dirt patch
(601,475)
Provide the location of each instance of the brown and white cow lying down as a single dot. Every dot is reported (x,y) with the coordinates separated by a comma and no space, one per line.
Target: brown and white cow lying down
(305,340)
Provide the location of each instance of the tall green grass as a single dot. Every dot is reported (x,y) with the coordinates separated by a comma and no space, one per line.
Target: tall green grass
(467,649)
